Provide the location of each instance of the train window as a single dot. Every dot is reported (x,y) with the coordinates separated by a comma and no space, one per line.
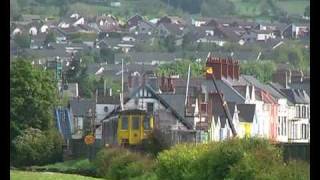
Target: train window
(135,122)
(146,123)
(124,123)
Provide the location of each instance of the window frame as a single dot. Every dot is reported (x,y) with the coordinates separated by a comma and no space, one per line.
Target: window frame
(134,125)
(126,118)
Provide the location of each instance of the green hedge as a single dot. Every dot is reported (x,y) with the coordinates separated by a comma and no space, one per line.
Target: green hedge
(233,159)
(121,164)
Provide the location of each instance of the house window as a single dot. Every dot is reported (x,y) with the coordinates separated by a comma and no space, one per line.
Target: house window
(203,108)
(282,127)
(298,111)
(303,131)
(304,114)
(285,125)
(279,121)
(150,107)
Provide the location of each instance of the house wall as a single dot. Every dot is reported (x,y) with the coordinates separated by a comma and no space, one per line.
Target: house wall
(78,127)
(246,129)
(299,125)
(283,119)
(164,118)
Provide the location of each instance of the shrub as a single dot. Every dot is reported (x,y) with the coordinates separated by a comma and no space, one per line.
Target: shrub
(104,157)
(239,159)
(119,163)
(177,163)
(78,166)
(35,147)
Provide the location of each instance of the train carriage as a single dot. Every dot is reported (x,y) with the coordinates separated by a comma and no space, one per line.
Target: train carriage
(129,127)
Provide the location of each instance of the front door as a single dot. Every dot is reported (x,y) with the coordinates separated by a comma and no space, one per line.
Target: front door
(135,130)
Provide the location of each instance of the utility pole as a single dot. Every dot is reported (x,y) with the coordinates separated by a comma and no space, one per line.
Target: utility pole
(122,87)
(225,107)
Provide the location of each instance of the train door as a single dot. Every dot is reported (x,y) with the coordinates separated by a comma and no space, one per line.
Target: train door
(123,129)
(135,133)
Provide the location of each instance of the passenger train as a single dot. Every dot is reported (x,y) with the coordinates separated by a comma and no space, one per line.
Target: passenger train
(129,127)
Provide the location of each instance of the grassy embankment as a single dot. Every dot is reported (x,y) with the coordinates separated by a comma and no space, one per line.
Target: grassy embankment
(25,175)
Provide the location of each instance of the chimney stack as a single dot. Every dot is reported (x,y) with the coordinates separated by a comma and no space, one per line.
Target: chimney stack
(224,68)
(230,68)
(236,70)
(215,64)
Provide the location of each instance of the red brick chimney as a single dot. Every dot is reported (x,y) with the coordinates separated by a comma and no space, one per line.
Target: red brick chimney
(231,68)
(225,68)
(236,70)
(216,65)
(170,87)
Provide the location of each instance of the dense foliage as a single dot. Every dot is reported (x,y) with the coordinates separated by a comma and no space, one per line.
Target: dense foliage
(107,55)
(292,53)
(33,96)
(262,70)
(22,40)
(181,68)
(121,164)
(233,159)
(34,146)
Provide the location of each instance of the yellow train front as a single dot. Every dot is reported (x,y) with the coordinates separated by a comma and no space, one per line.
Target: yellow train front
(130,127)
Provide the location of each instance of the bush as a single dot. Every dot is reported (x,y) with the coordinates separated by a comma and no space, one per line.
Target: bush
(78,166)
(177,163)
(118,163)
(35,147)
(103,159)
(233,159)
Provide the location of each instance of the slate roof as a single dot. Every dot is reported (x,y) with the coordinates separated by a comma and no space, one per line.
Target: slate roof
(133,21)
(297,96)
(148,56)
(162,101)
(81,107)
(246,112)
(114,99)
(176,101)
(173,28)
(230,94)
(217,111)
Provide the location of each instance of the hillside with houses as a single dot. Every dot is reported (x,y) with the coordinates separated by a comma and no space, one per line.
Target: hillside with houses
(115,90)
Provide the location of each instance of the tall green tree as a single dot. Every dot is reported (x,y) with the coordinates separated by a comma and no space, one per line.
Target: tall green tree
(22,40)
(33,95)
(51,37)
(107,55)
(214,8)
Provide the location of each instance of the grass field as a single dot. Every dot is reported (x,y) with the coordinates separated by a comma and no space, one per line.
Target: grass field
(24,175)
(246,8)
(294,6)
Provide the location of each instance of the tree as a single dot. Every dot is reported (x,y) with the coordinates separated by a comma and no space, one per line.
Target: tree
(22,40)
(215,8)
(87,85)
(307,11)
(33,95)
(36,147)
(50,37)
(107,55)
(169,43)
(261,70)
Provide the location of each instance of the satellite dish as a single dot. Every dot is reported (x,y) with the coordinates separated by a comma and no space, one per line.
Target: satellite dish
(106,109)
